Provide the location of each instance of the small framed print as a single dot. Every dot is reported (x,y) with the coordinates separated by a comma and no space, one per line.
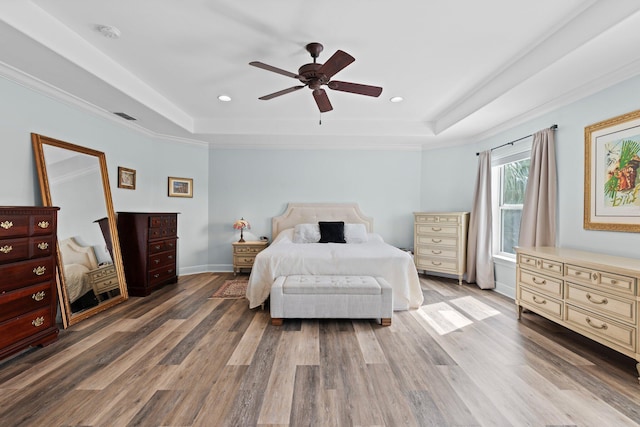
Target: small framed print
(126,178)
(180,187)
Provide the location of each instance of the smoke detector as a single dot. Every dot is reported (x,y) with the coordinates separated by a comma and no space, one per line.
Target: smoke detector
(108,31)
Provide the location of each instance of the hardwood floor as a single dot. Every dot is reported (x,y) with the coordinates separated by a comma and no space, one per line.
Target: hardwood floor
(177,358)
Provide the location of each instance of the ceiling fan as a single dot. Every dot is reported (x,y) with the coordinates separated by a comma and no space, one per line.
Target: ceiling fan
(316,75)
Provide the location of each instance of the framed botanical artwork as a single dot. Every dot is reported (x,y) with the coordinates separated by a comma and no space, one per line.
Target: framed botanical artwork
(126,178)
(611,176)
(180,187)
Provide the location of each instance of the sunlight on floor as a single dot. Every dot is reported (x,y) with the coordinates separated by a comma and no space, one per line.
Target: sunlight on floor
(444,318)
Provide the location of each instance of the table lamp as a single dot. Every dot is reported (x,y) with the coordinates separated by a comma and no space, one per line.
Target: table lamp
(241,224)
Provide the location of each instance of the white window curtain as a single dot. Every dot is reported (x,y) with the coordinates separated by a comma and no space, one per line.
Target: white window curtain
(479,251)
(538,223)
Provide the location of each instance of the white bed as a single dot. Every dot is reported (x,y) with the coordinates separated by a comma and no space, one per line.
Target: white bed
(371,258)
(78,261)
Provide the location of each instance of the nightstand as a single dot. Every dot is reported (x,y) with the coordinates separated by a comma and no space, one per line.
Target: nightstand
(103,280)
(244,253)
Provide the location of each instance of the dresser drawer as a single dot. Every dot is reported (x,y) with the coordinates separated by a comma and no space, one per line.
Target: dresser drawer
(161,274)
(42,224)
(162,246)
(542,264)
(437,241)
(159,221)
(14,225)
(41,246)
(544,284)
(611,281)
(436,251)
(14,249)
(162,259)
(602,327)
(540,302)
(601,303)
(24,300)
(24,326)
(434,218)
(437,264)
(161,233)
(19,274)
(436,230)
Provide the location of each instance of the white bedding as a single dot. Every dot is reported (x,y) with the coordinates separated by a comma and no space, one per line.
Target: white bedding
(372,258)
(75,276)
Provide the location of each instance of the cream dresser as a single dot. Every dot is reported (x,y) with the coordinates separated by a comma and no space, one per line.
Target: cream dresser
(593,294)
(440,242)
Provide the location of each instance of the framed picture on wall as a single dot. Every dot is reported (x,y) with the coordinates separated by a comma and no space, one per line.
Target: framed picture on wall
(126,178)
(612,179)
(180,187)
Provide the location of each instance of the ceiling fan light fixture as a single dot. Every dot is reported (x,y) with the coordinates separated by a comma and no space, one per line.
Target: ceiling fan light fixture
(396,99)
(108,31)
(224,98)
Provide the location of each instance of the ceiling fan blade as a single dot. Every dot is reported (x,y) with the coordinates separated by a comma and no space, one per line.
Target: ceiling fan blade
(281,92)
(273,69)
(322,100)
(337,62)
(355,88)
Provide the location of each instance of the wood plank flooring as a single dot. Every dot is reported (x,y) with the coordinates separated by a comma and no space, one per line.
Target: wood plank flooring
(178,358)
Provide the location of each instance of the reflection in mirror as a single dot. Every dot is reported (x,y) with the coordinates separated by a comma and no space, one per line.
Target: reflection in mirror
(90,273)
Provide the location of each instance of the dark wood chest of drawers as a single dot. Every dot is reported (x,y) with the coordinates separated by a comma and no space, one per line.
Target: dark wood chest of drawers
(148,242)
(28,294)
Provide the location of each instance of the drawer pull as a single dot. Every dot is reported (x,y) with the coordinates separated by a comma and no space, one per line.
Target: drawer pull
(6,224)
(535,299)
(157,261)
(38,321)
(539,282)
(43,246)
(158,246)
(603,326)
(170,257)
(170,271)
(614,282)
(436,263)
(43,224)
(436,252)
(170,245)
(155,276)
(603,301)
(6,249)
(436,229)
(436,240)
(38,296)
(40,270)
(595,276)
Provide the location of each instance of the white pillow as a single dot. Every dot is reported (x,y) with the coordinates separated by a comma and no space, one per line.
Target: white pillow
(284,236)
(306,233)
(355,233)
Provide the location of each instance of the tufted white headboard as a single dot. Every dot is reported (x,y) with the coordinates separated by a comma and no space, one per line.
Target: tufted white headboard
(311,213)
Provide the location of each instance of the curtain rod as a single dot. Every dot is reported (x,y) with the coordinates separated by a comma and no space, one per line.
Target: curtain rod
(552,127)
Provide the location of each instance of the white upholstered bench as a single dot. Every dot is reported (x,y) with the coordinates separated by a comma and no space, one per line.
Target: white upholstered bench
(331,297)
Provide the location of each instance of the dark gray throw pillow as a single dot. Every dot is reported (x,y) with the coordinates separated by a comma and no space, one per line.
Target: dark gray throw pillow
(331,231)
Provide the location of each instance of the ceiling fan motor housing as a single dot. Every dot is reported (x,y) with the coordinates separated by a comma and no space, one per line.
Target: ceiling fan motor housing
(309,75)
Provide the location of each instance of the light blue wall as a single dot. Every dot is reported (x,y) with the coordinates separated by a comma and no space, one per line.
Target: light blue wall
(571,121)
(258,184)
(23,111)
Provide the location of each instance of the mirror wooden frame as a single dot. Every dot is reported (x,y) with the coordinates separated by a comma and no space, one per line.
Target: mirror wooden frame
(69,318)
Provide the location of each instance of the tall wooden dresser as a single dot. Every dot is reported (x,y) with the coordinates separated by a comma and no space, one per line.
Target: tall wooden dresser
(148,242)
(28,294)
(592,294)
(440,242)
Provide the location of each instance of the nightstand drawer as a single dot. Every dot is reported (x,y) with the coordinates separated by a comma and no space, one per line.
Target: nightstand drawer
(243,261)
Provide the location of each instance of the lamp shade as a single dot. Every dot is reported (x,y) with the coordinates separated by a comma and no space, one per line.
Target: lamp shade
(241,224)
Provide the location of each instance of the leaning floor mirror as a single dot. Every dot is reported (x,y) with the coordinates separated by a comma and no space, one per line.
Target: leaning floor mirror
(90,273)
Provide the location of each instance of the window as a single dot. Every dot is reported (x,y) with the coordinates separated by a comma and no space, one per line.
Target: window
(509,183)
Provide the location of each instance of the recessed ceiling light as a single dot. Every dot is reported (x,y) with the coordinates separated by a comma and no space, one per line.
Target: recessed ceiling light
(396,99)
(108,31)
(224,98)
